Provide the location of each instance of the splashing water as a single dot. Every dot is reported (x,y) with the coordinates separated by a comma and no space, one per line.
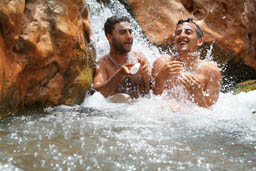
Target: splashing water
(145,135)
(208,55)
(100,135)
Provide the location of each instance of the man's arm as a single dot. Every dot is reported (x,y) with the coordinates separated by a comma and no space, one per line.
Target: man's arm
(107,86)
(144,71)
(214,83)
(158,86)
(204,88)
(164,69)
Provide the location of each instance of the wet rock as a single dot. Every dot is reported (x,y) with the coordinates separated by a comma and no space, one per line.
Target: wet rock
(45,55)
(103,1)
(245,86)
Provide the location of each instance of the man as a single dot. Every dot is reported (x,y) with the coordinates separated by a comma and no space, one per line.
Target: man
(112,74)
(184,75)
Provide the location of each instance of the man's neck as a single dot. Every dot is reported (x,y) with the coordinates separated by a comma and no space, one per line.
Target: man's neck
(119,58)
(190,59)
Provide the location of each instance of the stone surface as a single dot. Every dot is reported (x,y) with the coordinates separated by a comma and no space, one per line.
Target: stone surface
(45,56)
(231,24)
(245,86)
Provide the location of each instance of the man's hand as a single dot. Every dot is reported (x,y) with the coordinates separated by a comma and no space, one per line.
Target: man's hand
(165,69)
(125,69)
(195,89)
(191,82)
(143,70)
(170,69)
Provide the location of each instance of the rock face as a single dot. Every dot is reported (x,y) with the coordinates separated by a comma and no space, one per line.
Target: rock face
(231,23)
(45,58)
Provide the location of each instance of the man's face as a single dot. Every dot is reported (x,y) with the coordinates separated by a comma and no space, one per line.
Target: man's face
(186,39)
(122,37)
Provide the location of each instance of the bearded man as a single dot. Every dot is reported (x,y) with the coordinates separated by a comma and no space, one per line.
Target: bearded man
(112,75)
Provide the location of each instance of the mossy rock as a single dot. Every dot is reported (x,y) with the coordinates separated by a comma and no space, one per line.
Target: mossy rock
(245,86)
(79,76)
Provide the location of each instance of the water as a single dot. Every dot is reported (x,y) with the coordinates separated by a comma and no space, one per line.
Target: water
(145,135)
(107,136)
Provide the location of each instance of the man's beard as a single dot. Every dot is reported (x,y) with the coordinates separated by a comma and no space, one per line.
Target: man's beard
(119,46)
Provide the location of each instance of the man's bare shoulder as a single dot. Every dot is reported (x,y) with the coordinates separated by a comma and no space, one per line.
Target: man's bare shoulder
(209,67)
(103,65)
(103,60)
(163,59)
(138,54)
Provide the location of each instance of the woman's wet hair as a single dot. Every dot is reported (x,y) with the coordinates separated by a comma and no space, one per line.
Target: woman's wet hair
(110,23)
(199,32)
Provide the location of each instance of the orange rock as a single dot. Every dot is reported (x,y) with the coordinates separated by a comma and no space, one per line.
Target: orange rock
(43,53)
(231,23)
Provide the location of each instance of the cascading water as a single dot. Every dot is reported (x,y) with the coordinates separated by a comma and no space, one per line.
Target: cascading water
(145,135)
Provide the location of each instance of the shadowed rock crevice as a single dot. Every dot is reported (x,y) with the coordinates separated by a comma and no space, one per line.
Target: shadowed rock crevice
(235,73)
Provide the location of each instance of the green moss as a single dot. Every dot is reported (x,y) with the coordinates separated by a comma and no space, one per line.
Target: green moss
(85,78)
(245,86)
(9,101)
(79,76)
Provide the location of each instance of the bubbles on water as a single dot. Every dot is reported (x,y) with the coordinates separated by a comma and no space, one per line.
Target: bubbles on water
(144,134)
(8,167)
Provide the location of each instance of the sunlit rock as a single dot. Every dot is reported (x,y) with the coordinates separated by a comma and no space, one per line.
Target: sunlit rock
(45,55)
(231,24)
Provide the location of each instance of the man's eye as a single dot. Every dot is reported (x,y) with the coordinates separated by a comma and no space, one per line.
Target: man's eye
(189,31)
(178,32)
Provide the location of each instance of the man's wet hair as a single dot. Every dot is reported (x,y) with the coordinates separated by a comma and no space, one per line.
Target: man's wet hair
(110,23)
(199,32)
